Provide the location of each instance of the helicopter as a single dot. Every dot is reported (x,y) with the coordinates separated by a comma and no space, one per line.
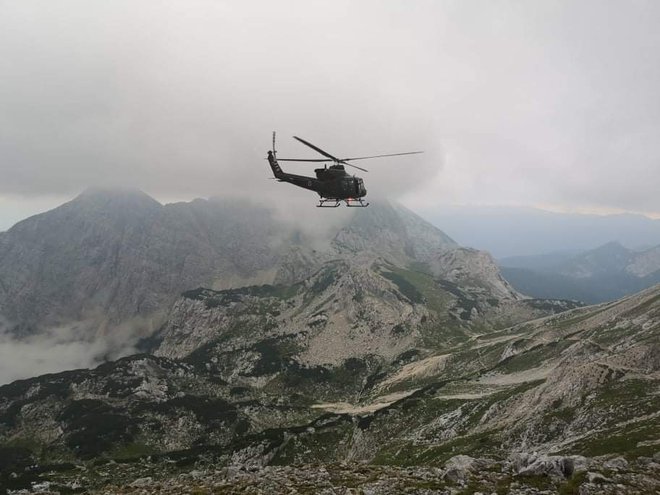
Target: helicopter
(333,184)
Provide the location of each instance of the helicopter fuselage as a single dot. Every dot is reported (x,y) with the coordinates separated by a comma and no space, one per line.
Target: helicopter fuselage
(331,183)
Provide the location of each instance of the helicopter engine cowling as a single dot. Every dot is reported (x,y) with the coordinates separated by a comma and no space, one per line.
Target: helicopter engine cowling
(360,190)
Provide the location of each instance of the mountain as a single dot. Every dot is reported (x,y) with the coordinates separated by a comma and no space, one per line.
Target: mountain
(517,231)
(365,311)
(606,273)
(109,256)
(264,376)
(608,258)
(113,257)
(90,280)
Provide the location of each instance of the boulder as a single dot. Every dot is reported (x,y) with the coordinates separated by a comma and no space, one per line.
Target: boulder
(459,467)
(542,465)
(616,464)
(142,482)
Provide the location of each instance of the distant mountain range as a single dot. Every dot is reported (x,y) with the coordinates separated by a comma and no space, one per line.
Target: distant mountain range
(606,273)
(518,231)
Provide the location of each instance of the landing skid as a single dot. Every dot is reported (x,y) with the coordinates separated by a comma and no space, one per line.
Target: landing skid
(356,203)
(334,203)
(323,203)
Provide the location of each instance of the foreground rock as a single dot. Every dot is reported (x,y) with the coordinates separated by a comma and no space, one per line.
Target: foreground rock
(477,476)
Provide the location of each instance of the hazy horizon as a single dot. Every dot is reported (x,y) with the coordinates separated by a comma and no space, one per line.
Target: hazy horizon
(504,231)
(16,209)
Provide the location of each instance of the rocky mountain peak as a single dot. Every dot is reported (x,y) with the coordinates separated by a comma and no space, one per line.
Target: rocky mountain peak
(611,249)
(608,258)
(393,231)
(473,268)
(119,195)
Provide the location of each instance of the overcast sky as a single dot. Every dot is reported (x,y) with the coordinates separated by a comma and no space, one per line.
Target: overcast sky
(545,103)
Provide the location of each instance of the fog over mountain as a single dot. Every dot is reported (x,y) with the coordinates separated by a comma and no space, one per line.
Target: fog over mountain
(101,271)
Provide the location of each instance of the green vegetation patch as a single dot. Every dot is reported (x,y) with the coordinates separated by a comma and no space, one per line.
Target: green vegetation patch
(540,482)
(95,433)
(629,441)
(206,409)
(419,410)
(418,286)
(408,290)
(645,306)
(324,279)
(132,450)
(215,298)
(322,445)
(534,357)
(275,355)
(627,398)
(408,454)
(563,323)
(321,382)
(572,486)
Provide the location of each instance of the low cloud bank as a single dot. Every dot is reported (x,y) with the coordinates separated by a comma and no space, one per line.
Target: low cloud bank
(59,349)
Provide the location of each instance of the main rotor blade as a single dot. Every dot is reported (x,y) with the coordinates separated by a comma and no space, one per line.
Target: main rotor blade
(317,149)
(326,160)
(354,166)
(304,160)
(380,156)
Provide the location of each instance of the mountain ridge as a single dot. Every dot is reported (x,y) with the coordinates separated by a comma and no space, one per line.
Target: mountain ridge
(107,241)
(524,231)
(605,273)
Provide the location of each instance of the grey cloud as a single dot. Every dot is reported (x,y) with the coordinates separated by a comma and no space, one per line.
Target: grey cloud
(58,349)
(514,102)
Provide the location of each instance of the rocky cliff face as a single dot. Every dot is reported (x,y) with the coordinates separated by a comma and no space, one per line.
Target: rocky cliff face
(107,257)
(472,268)
(393,232)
